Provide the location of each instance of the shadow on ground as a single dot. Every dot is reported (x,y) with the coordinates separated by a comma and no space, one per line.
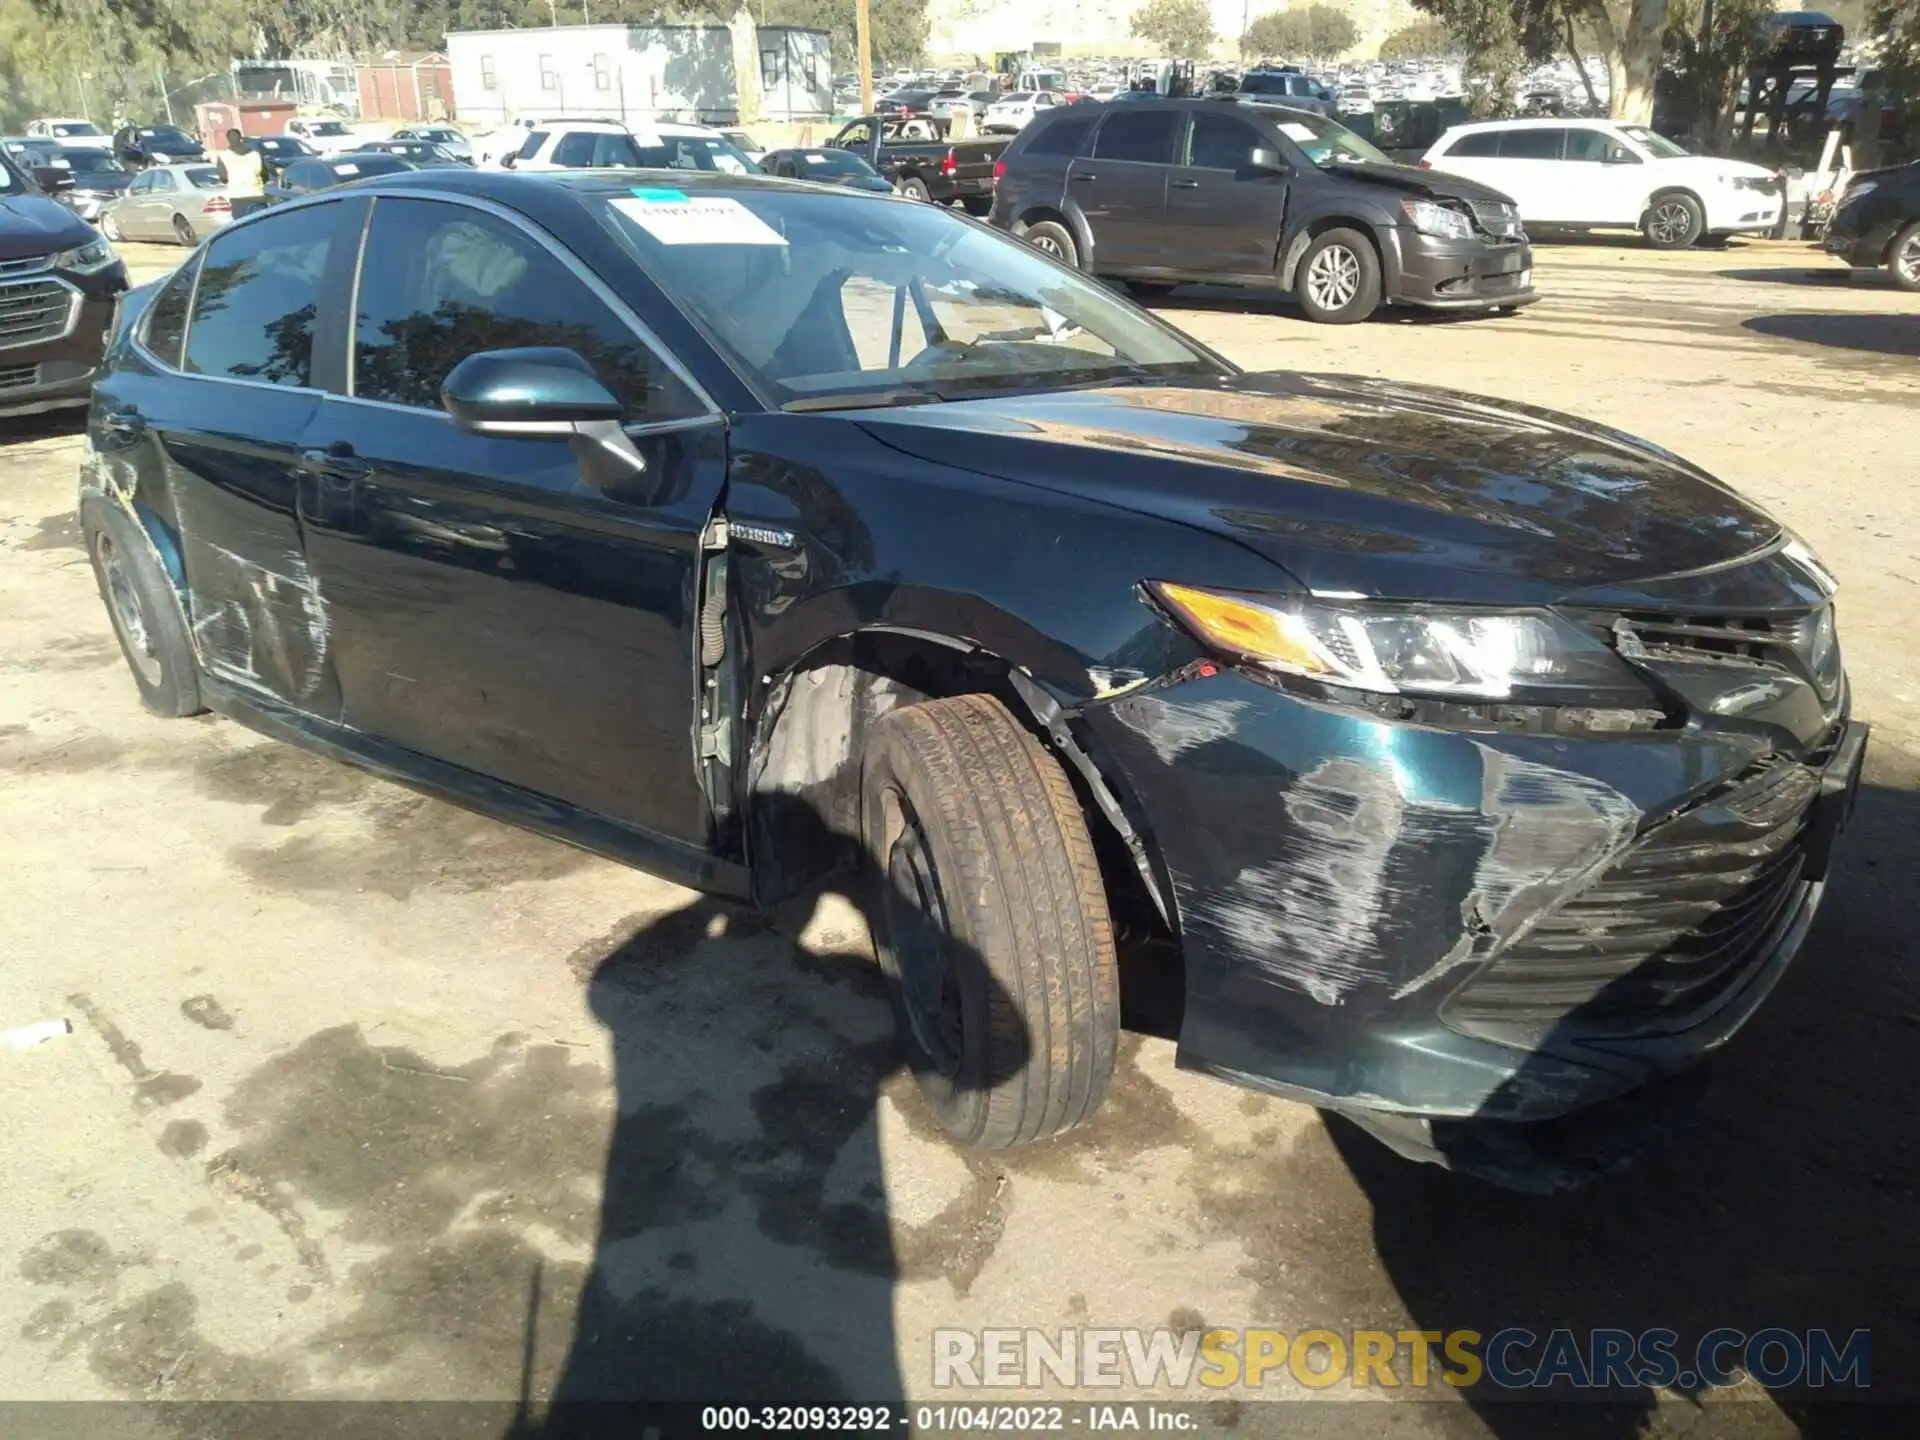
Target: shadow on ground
(1875,334)
(1828,276)
(1788,1200)
(770,1195)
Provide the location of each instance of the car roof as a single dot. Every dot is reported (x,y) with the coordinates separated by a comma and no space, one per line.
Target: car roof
(1544,122)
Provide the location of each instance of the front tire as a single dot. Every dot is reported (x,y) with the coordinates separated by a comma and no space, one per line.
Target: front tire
(109,229)
(991,925)
(1050,237)
(1673,221)
(144,609)
(1339,278)
(1903,260)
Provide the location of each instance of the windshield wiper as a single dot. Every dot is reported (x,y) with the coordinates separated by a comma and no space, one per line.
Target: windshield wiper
(863,400)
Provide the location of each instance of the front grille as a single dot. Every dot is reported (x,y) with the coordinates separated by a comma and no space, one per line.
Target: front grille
(1801,645)
(18,377)
(33,265)
(1498,219)
(34,310)
(1667,928)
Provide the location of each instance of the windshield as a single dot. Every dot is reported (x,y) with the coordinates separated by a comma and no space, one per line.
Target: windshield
(95,162)
(165,137)
(694,152)
(369,165)
(326,127)
(1655,144)
(204,177)
(1263,85)
(1326,142)
(74,127)
(828,298)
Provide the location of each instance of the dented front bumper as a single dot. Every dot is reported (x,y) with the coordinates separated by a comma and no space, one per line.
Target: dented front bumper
(1419,925)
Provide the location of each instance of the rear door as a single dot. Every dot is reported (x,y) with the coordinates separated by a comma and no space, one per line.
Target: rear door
(1476,154)
(129,216)
(1223,217)
(1121,189)
(488,608)
(230,424)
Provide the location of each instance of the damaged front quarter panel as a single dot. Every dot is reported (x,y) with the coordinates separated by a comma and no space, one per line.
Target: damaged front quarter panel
(1337,877)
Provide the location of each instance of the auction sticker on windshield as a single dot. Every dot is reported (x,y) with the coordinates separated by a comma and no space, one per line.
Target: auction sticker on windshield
(673,218)
(1294,130)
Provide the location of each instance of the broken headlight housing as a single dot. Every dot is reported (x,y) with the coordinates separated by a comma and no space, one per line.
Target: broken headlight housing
(1524,656)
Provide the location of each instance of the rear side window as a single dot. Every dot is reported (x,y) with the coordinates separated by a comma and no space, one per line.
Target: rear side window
(166,324)
(1145,135)
(459,281)
(1482,144)
(1064,136)
(253,318)
(1597,146)
(1531,144)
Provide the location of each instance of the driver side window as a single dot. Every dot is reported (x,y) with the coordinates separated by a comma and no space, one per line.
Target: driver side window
(461,281)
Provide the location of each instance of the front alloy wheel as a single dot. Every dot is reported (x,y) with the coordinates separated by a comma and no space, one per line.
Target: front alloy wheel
(1333,279)
(1904,264)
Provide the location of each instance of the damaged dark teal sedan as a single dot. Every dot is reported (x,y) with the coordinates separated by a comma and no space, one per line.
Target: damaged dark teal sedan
(1482,767)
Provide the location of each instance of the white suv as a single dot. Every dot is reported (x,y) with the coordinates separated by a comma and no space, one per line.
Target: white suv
(593,145)
(1603,174)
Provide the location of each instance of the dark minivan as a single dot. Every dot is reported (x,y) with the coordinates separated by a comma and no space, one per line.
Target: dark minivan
(1227,192)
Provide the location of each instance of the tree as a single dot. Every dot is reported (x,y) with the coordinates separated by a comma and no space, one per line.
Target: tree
(1500,36)
(1418,41)
(1319,32)
(1182,29)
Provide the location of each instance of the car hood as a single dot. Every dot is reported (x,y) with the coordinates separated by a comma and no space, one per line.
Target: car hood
(1413,179)
(1361,485)
(32,225)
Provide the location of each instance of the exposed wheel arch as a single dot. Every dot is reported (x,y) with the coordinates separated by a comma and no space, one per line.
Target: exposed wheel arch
(1286,268)
(802,774)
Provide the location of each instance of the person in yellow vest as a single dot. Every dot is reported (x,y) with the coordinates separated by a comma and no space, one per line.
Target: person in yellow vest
(244,172)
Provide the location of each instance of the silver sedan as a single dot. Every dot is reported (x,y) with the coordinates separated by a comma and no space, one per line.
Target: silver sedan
(182,203)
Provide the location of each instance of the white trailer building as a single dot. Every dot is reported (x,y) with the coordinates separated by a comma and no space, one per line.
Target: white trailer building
(634,73)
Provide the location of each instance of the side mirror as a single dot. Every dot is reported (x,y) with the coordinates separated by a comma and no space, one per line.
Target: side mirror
(544,391)
(506,161)
(1267,159)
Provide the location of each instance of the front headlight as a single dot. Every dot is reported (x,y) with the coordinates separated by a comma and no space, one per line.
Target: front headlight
(1529,656)
(88,259)
(1433,219)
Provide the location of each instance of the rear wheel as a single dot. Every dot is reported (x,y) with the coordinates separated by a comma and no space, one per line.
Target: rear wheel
(144,609)
(109,229)
(1903,261)
(991,924)
(183,231)
(1339,278)
(1673,221)
(1050,237)
(914,188)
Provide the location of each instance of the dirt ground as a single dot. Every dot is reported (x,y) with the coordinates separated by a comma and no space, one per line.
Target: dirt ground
(361,1088)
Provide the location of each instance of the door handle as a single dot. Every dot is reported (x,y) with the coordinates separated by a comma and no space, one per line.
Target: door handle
(1186,184)
(1085,175)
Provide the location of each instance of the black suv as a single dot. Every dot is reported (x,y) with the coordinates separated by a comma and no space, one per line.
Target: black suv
(59,285)
(1227,192)
(142,145)
(1877,222)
